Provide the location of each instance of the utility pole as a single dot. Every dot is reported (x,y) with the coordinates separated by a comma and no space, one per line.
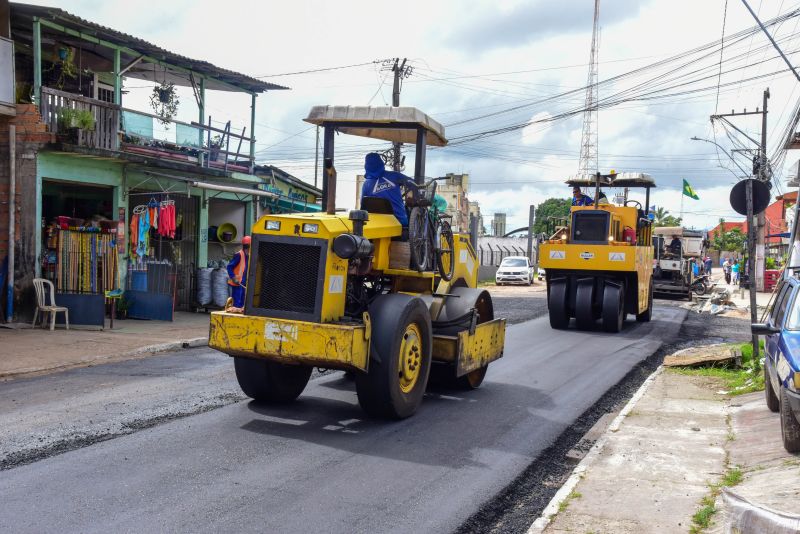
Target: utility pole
(531,214)
(316,159)
(761,171)
(763,174)
(401,71)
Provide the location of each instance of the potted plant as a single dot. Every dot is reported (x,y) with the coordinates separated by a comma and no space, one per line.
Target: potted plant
(68,118)
(65,61)
(85,119)
(164,101)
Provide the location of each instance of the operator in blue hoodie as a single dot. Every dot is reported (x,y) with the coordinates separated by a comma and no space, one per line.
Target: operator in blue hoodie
(385,184)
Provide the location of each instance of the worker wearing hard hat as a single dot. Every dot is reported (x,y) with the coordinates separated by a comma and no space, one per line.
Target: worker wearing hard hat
(237,273)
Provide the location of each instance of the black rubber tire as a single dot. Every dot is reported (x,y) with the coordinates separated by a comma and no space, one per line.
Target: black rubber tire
(445,257)
(267,381)
(773,403)
(379,392)
(646,315)
(584,312)
(418,242)
(473,379)
(557,306)
(699,289)
(790,428)
(613,308)
(464,300)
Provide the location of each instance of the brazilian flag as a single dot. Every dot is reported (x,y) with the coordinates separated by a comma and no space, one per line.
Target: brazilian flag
(688,191)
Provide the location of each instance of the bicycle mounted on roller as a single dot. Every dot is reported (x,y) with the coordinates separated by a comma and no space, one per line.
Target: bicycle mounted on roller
(429,232)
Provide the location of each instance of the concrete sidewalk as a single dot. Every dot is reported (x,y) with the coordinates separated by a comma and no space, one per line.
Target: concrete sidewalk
(664,458)
(25,352)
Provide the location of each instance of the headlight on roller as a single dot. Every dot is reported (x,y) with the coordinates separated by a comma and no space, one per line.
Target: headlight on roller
(309,228)
(273,225)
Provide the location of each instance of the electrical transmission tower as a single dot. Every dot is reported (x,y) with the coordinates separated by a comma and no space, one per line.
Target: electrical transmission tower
(589,160)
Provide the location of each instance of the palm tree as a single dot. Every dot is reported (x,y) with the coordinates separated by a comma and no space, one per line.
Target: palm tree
(659,215)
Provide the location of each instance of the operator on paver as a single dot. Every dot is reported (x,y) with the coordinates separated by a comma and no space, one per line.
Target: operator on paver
(237,273)
(579,199)
(675,245)
(381,183)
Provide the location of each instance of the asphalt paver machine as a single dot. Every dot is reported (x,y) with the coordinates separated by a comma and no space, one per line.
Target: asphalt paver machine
(336,290)
(600,266)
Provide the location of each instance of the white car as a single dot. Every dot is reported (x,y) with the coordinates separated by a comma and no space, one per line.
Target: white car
(514,270)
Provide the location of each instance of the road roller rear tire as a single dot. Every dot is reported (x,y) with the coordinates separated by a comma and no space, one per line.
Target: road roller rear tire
(613,308)
(557,306)
(584,298)
(400,357)
(464,299)
(267,381)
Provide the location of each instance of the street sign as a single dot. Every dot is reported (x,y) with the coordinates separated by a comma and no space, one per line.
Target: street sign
(760,196)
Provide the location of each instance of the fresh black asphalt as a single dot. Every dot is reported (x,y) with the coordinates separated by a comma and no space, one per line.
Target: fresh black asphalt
(316,465)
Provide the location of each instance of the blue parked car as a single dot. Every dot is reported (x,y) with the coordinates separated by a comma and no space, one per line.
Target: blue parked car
(782,361)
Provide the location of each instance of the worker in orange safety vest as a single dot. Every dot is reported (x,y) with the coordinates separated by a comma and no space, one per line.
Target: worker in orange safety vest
(237,273)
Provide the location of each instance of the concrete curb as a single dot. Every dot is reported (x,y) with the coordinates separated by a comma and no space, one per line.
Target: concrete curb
(109,358)
(562,494)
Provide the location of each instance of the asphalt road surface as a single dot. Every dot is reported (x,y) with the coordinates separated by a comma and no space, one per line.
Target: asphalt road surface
(139,460)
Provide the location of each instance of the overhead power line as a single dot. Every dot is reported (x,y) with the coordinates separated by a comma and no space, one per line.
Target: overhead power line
(323,69)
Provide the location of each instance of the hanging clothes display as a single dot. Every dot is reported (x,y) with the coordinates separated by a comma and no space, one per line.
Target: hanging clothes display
(86,261)
(166,216)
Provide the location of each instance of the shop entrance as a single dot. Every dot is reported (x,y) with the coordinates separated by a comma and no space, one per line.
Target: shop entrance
(79,254)
(162,254)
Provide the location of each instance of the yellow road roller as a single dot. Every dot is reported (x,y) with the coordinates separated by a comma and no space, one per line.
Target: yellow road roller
(600,266)
(358,292)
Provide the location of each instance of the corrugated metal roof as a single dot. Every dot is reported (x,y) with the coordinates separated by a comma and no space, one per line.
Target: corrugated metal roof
(142,47)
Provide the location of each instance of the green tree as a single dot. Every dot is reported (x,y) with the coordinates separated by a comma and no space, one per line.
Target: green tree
(552,207)
(733,240)
(663,218)
(670,220)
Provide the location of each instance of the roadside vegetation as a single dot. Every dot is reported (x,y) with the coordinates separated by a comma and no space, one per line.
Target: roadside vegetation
(701,519)
(737,380)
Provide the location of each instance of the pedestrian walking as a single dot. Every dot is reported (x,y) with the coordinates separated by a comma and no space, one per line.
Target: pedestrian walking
(708,263)
(735,273)
(726,270)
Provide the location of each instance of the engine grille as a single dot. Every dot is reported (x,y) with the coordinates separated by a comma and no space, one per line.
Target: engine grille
(286,279)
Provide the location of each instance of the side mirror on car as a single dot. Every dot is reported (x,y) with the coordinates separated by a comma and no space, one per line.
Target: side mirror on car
(763,329)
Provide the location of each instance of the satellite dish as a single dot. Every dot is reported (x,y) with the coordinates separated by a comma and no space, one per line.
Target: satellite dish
(760,196)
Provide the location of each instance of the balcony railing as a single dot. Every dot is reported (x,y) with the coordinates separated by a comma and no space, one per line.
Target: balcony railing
(106,118)
(118,128)
(194,142)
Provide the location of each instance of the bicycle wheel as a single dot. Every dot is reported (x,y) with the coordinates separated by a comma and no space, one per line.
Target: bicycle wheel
(418,240)
(444,250)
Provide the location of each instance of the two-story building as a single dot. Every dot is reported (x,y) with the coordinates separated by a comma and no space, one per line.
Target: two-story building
(110,196)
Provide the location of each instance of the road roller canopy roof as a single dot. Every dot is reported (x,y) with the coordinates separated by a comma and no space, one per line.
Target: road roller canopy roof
(622,179)
(395,124)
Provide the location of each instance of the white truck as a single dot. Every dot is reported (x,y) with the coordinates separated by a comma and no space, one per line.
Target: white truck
(672,267)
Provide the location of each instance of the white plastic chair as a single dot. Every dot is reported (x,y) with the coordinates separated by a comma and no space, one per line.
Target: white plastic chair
(41,303)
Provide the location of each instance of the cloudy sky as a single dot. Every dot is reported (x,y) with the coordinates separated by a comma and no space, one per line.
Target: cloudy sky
(514,66)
